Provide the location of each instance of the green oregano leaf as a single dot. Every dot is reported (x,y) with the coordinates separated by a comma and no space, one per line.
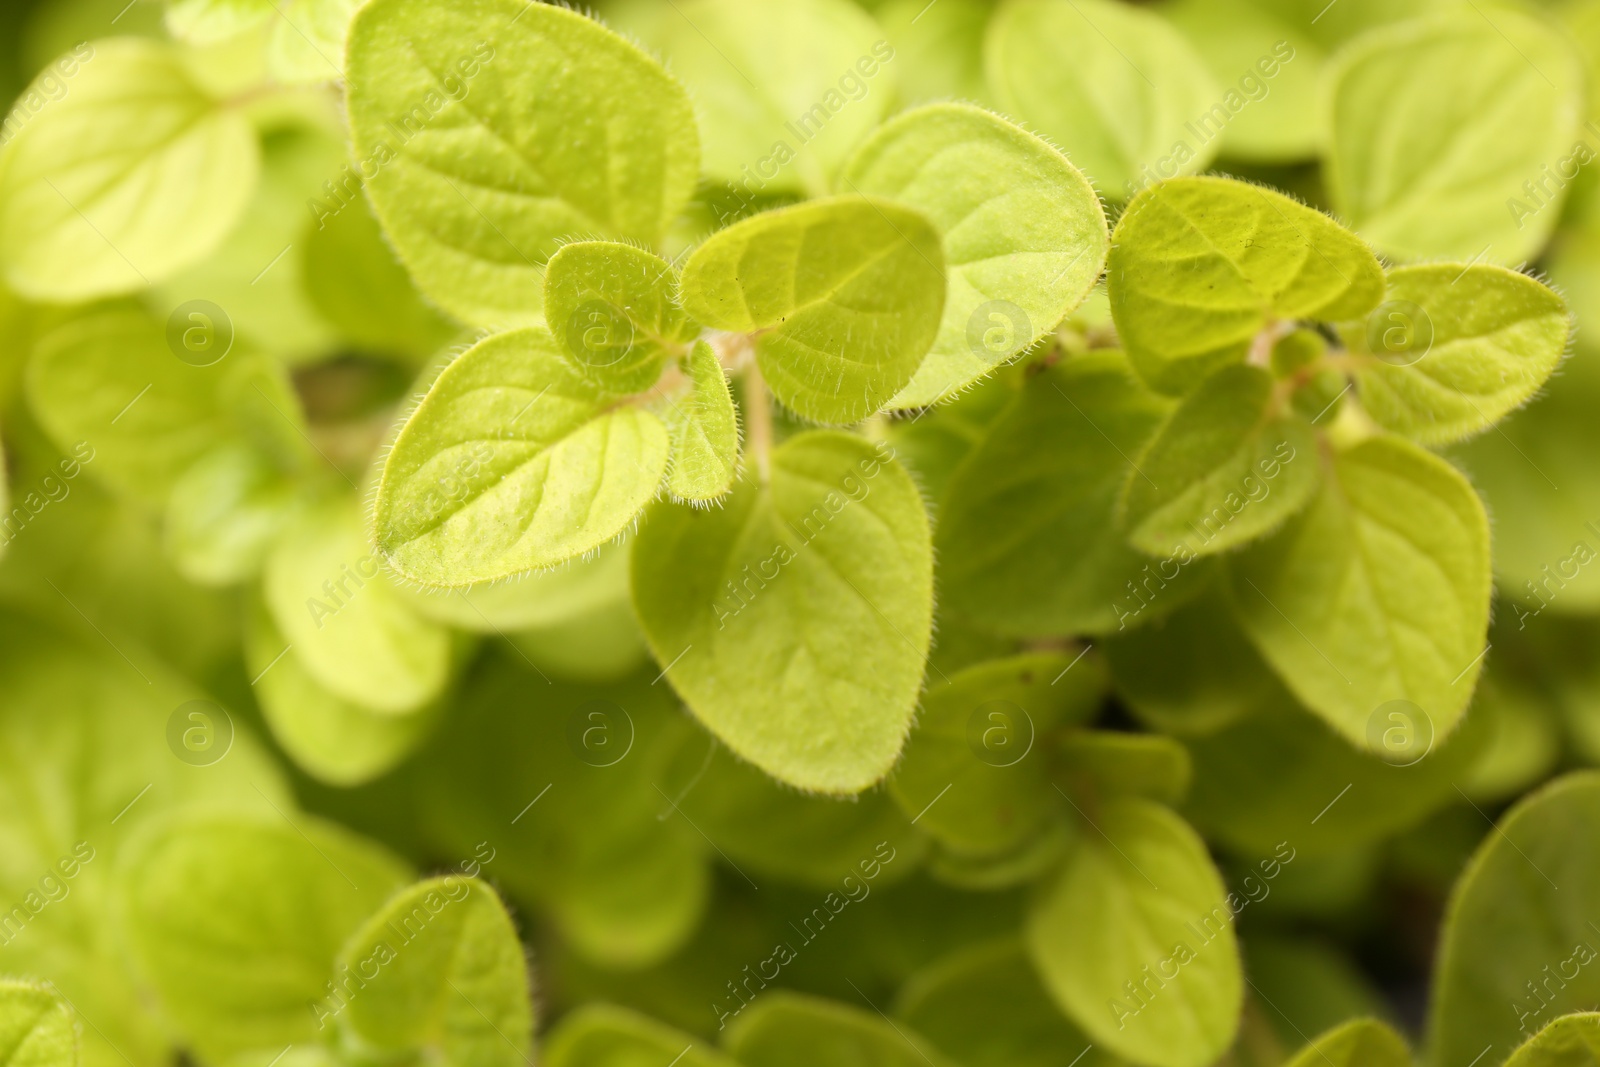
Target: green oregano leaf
(846,294)
(1027,537)
(308,40)
(782,92)
(784,1029)
(1229,465)
(1193,672)
(938,51)
(491,129)
(438,972)
(209,21)
(513,462)
(795,619)
(1199,266)
(1115,763)
(614,310)
(985,1005)
(1357,1043)
(770,830)
(1456,348)
(358,286)
(976,773)
(130,177)
(1436,123)
(331,738)
(108,376)
(552,598)
(36,1027)
(1135,939)
(1270,72)
(327,594)
(1263,780)
(1570,1041)
(1515,952)
(1024,234)
(268,307)
(214,906)
(704,426)
(224,513)
(96,737)
(587,773)
(1378,592)
(605,1035)
(1112,85)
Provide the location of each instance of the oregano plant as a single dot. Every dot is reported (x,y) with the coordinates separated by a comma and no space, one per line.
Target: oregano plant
(722,534)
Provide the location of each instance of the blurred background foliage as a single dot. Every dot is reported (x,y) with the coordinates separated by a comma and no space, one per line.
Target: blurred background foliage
(637,883)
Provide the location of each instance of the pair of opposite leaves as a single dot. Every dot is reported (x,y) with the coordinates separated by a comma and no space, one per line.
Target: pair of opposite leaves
(849,304)
(529,171)
(1314,298)
(1378,589)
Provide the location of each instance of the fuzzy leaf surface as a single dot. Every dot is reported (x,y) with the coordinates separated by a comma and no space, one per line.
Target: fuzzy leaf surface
(1378,592)
(1199,266)
(1457,349)
(1138,891)
(704,426)
(513,462)
(846,294)
(1024,234)
(614,310)
(795,620)
(495,129)
(1227,467)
